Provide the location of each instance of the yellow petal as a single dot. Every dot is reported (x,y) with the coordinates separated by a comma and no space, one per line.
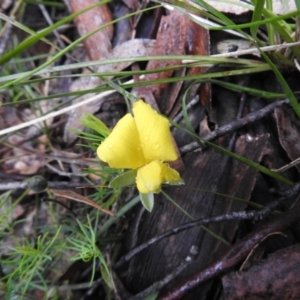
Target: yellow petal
(150,177)
(170,175)
(122,148)
(154,132)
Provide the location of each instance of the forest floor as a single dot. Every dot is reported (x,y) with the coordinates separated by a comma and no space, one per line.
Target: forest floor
(227,80)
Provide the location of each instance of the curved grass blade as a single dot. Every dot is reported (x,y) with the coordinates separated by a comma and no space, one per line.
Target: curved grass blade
(284,85)
(252,91)
(257,13)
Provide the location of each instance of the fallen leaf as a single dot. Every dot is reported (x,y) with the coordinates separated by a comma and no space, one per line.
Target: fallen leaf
(170,40)
(288,131)
(97,45)
(235,7)
(68,194)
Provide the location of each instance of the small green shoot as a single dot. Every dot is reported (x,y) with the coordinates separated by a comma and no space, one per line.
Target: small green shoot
(30,261)
(91,122)
(85,244)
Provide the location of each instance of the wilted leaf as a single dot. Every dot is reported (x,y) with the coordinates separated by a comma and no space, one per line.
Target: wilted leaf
(79,198)
(97,45)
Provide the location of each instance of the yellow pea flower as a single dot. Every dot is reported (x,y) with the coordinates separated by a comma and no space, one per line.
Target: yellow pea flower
(142,142)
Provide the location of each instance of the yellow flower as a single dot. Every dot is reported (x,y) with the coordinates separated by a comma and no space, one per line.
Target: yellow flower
(142,142)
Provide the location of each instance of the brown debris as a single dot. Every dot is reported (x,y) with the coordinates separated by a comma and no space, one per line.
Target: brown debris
(170,40)
(211,178)
(176,36)
(274,278)
(288,131)
(235,255)
(98,45)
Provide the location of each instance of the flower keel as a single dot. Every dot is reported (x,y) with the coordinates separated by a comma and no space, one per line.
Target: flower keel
(150,177)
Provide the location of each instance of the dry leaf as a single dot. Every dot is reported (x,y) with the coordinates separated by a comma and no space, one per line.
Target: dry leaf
(68,194)
(170,41)
(288,131)
(98,45)
(279,6)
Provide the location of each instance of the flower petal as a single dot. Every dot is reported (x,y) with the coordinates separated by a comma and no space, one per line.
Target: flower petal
(150,177)
(122,148)
(154,132)
(170,176)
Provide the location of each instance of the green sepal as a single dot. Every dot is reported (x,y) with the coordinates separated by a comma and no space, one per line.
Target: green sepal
(125,179)
(147,201)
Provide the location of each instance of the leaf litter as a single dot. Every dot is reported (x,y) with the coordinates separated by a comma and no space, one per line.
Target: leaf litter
(204,169)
